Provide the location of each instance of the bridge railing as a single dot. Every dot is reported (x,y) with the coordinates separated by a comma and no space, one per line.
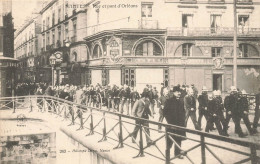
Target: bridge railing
(116,127)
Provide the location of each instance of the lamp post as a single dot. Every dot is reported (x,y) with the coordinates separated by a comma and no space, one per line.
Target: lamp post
(52,62)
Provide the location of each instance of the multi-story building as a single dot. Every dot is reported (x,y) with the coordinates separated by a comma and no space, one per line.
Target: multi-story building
(7,62)
(26,49)
(173,41)
(151,42)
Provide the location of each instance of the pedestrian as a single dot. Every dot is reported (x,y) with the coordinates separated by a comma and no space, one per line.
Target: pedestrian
(203,105)
(174,114)
(161,103)
(190,108)
(244,110)
(134,96)
(125,97)
(141,109)
(214,114)
(229,102)
(257,111)
(39,99)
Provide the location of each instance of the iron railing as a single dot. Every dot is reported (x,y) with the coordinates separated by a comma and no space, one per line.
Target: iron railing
(87,117)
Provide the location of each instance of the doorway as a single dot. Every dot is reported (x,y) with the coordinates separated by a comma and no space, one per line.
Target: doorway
(217,82)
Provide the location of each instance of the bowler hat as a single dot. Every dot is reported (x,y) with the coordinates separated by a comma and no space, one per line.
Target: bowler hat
(176,89)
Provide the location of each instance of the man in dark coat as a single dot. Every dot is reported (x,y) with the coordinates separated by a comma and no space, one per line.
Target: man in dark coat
(203,105)
(190,108)
(174,114)
(243,108)
(257,112)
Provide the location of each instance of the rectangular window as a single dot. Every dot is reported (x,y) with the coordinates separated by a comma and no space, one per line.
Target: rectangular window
(1,43)
(48,39)
(215,23)
(53,18)
(187,49)
(215,51)
(187,20)
(59,15)
(59,33)
(147,10)
(243,23)
(53,37)
(75,29)
(48,22)
(66,31)
(243,50)
(43,25)
(43,42)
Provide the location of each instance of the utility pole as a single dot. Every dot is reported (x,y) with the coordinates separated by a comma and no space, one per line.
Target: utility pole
(235,46)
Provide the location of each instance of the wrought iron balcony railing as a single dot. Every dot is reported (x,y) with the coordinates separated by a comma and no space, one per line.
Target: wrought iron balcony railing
(148,24)
(218,31)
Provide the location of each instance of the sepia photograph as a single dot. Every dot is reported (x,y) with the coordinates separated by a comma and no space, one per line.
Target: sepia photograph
(129,81)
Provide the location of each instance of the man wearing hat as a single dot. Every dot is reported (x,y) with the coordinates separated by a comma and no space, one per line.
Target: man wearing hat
(190,108)
(174,114)
(244,110)
(141,109)
(230,104)
(125,97)
(203,105)
(233,108)
(213,114)
(257,111)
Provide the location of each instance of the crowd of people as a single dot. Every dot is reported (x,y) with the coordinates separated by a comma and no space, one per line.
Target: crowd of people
(176,104)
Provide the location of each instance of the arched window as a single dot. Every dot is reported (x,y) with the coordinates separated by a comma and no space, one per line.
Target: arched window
(148,48)
(97,52)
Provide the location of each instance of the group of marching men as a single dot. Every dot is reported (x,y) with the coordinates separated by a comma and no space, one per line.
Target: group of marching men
(176,104)
(117,98)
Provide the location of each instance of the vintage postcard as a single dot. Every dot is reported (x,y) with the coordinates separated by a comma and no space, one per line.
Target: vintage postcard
(129,81)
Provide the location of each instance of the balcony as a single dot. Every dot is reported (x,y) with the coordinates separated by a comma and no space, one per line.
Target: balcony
(148,24)
(188,1)
(244,2)
(178,61)
(220,31)
(216,1)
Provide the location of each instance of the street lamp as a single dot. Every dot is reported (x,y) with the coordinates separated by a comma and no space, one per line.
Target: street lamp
(52,62)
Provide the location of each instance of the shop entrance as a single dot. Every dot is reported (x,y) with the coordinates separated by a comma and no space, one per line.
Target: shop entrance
(217,82)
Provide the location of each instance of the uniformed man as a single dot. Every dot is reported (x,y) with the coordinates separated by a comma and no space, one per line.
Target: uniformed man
(134,96)
(151,98)
(125,98)
(190,108)
(213,114)
(203,105)
(236,114)
(220,111)
(244,111)
(116,91)
(257,112)
(110,99)
(228,101)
